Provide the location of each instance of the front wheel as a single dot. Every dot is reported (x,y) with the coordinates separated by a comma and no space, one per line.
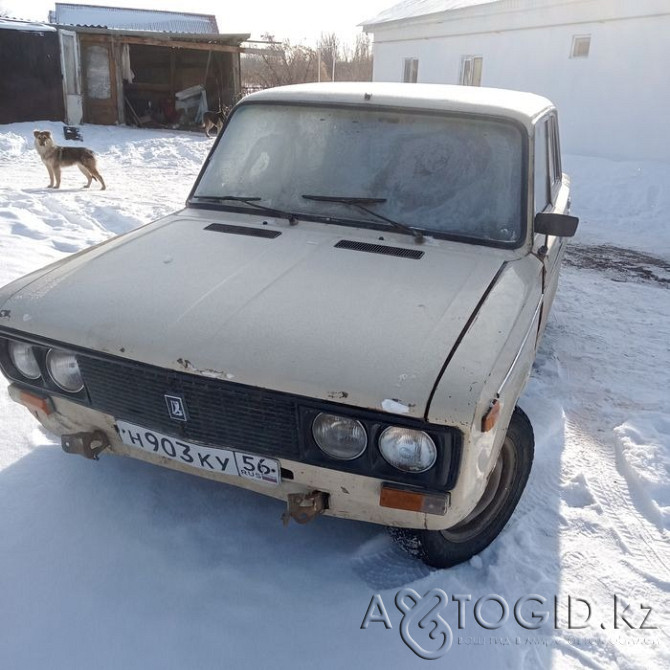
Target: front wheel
(444,548)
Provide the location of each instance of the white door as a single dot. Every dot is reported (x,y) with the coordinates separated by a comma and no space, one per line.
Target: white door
(71,69)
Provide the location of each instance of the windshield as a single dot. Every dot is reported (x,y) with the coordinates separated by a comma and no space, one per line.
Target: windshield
(454,175)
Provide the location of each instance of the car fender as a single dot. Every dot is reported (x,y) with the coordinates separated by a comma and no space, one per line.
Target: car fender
(492,362)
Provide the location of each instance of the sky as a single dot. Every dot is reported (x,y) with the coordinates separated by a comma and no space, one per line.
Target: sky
(300,21)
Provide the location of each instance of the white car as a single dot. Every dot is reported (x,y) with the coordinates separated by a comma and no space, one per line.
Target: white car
(343,316)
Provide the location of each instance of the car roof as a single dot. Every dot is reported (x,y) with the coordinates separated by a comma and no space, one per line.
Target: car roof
(517,105)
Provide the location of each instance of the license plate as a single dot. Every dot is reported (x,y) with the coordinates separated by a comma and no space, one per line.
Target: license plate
(224,461)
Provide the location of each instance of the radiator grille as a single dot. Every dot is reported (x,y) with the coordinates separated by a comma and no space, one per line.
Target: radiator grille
(219,413)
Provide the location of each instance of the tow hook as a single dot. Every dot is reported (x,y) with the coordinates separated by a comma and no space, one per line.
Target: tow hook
(88,445)
(303,507)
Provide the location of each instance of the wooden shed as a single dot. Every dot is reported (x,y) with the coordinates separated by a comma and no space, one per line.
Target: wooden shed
(129,65)
(122,76)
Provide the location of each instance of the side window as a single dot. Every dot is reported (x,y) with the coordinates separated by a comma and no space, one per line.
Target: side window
(471,71)
(541,167)
(410,73)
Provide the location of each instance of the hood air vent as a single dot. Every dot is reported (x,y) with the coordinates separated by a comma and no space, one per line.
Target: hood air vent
(379,249)
(243,230)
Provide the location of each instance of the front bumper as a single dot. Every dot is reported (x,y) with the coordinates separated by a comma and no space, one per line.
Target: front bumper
(350,496)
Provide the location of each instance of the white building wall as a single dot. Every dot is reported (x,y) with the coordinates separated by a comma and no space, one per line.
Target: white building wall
(615,103)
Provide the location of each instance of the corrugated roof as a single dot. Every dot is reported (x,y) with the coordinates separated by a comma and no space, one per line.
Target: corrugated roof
(230,39)
(120,18)
(409,9)
(25,26)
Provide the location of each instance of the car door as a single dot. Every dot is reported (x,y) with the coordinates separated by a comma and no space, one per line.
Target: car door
(551,195)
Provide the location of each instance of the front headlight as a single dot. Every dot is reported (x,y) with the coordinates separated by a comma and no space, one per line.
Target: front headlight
(339,437)
(23,358)
(408,450)
(64,370)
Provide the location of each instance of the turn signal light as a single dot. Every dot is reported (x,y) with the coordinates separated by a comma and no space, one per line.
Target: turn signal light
(491,417)
(413,501)
(36,402)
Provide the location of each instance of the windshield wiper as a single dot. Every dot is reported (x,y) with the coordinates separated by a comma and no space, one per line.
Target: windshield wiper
(360,203)
(252,202)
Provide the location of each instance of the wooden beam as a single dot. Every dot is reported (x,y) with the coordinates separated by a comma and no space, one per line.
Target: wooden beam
(173,71)
(88,37)
(209,60)
(139,86)
(181,44)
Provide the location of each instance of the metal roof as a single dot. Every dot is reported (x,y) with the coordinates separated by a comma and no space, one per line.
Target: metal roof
(517,105)
(158,38)
(410,9)
(25,26)
(120,18)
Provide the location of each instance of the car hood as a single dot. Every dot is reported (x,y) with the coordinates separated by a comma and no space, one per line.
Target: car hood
(293,313)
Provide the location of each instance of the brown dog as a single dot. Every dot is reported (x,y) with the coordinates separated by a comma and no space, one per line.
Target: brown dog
(55,158)
(215,119)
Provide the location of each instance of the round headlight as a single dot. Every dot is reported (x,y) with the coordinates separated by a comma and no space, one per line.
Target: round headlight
(339,437)
(408,450)
(23,358)
(64,370)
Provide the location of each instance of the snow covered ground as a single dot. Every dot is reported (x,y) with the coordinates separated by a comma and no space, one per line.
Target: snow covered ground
(118,564)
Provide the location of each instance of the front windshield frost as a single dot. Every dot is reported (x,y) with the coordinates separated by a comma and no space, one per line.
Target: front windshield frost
(447,174)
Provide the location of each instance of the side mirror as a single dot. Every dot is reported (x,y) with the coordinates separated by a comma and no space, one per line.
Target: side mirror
(558,225)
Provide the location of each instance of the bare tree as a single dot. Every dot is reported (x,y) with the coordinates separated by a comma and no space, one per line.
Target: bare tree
(329,47)
(356,62)
(280,63)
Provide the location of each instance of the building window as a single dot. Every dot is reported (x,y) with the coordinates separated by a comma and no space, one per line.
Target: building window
(580,46)
(471,70)
(411,70)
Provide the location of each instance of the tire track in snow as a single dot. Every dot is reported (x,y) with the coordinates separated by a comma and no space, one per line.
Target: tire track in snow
(603,381)
(642,539)
(75,217)
(608,544)
(599,404)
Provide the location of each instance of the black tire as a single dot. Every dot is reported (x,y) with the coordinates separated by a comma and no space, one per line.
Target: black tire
(442,549)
